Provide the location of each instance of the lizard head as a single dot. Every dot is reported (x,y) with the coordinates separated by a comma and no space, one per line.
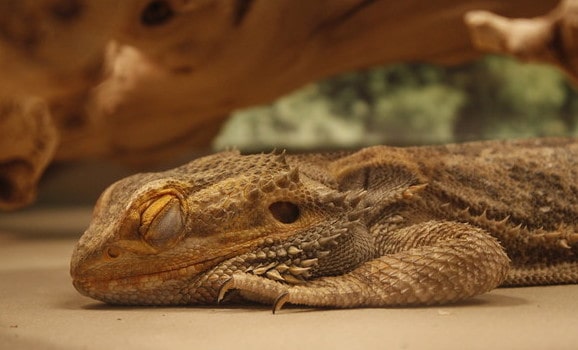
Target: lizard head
(175,237)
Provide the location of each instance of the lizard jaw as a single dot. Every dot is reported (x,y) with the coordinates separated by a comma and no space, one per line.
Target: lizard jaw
(159,288)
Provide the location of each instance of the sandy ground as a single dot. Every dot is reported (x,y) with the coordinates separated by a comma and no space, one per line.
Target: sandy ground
(39,309)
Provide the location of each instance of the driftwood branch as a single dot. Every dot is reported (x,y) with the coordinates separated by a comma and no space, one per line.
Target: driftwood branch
(29,140)
(141,79)
(551,38)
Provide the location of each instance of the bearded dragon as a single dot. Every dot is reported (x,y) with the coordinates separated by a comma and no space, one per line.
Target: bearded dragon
(379,227)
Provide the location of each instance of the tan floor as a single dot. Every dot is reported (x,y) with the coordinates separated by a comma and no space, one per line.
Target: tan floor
(39,309)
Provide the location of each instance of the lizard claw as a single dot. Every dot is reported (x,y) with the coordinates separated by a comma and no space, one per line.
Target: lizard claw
(280,301)
(228,285)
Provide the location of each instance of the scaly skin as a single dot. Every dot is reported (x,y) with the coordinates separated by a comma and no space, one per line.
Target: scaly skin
(379,227)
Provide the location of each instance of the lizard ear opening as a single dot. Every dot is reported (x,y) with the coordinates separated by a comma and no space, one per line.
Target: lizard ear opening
(162,222)
(285,212)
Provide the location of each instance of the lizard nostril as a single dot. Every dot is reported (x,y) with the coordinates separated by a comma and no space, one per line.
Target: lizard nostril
(285,212)
(157,13)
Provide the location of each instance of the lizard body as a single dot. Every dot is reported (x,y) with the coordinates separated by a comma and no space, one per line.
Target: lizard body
(382,226)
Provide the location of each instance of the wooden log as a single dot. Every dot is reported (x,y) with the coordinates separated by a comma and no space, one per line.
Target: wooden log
(29,140)
(50,47)
(190,64)
(551,38)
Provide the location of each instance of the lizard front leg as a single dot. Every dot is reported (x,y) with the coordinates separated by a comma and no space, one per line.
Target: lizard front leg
(430,263)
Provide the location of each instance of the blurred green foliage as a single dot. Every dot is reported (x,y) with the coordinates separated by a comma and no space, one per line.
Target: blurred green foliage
(496,97)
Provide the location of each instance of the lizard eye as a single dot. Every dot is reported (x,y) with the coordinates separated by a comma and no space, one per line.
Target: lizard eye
(162,222)
(285,212)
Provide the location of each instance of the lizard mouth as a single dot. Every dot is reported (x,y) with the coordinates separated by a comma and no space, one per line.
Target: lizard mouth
(162,287)
(158,288)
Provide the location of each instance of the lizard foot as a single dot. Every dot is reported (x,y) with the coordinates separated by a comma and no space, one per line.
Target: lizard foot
(464,261)
(564,237)
(278,294)
(257,289)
